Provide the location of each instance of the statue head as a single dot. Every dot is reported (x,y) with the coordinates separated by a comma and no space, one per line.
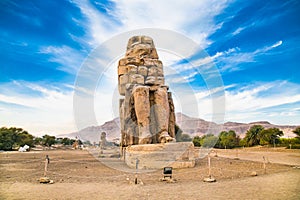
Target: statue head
(141,47)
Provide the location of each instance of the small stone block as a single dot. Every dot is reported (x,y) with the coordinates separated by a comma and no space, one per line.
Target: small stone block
(254,173)
(161,80)
(142,70)
(209,180)
(152,71)
(136,78)
(132,69)
(44,180)
(122,70)
(150,80)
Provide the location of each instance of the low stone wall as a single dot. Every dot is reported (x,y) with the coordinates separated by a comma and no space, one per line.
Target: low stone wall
(158,156)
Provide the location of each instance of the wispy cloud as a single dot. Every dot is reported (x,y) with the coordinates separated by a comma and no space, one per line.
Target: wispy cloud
(230,60)
(236,59)
(277,44)
(257,101)
(238,30)
(98,26)
(69,59)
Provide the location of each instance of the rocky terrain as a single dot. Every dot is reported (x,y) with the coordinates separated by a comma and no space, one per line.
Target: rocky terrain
(189,125)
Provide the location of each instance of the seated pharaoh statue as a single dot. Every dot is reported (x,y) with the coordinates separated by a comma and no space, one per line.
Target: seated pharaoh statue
(146,109)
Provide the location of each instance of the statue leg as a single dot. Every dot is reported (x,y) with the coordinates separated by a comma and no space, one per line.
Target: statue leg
(161,109)
(142,111)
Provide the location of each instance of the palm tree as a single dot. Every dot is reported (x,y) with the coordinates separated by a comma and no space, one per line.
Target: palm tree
(253,135)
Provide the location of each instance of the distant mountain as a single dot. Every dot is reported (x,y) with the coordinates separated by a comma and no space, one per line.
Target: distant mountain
(92,133)
(189,125)
(195,126)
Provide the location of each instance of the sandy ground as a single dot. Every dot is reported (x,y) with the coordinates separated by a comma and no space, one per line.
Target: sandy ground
(77,174)
(273,155)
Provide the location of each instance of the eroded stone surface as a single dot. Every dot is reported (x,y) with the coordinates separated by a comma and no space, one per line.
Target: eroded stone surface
(147,110)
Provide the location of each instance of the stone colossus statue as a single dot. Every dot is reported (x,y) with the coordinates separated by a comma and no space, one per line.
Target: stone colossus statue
(147,111)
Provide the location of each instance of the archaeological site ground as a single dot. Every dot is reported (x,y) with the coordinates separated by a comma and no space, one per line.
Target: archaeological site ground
(78,174)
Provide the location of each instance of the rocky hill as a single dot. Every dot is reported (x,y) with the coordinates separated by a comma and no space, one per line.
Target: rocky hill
(92,133)
(189,125)
(195,126)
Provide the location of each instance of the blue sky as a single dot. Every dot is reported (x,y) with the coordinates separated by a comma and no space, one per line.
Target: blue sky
(255,45)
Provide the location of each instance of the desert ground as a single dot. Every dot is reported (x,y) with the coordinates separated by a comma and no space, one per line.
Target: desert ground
(81,174)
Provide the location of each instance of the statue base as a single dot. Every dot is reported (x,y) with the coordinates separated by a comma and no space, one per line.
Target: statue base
(158,156)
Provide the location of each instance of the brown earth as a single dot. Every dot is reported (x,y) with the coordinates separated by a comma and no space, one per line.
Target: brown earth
(77,174)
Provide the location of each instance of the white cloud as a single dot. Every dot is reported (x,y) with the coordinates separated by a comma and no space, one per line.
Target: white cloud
(182,78)
(238,30)
(226,61)
(277,44)
(242,28)
(99,27)
(68,58)
(257,101)
(49,112)
(193,18)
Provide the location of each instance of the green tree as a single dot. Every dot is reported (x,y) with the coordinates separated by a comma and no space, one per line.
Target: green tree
(25,138)
(14,137)
(196,141)
(49,140)
(38,141)
(209,140)
(6,139)
(243,142)
(297,131)
(67,141)
(228,139)
(252,135)
(270,136)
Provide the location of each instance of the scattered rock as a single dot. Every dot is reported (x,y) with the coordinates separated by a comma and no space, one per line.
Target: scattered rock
(209,180)
(254,173)
(44,180)
(168,180)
